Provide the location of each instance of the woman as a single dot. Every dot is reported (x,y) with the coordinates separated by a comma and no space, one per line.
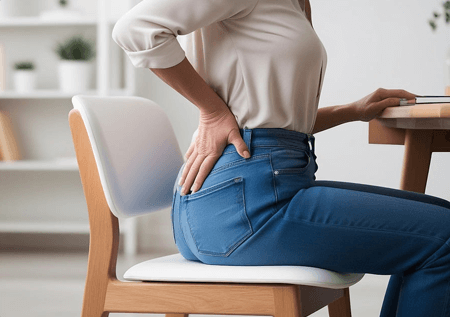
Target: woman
(256,77)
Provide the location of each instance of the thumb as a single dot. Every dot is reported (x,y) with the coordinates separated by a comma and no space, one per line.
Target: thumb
(239,143)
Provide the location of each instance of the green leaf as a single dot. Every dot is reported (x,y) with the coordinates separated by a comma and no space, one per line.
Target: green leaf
(24,65)
(432,24)
(446,5)
(75,48)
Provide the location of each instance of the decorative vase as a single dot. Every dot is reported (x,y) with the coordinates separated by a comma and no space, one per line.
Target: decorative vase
(74,75)
(24,80)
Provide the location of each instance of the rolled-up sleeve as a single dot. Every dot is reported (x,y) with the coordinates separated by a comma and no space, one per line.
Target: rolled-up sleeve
(147,32)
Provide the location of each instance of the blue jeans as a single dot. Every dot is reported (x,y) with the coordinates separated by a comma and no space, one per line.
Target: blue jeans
(270,210)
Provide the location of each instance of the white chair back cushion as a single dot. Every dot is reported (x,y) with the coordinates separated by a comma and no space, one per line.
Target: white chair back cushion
(136,151)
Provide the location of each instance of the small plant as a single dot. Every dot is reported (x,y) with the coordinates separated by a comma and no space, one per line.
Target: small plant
(24,66)
(436,15)
(75,48)
(62,3)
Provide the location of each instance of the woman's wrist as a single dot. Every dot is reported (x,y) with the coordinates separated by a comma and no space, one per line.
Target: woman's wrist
(353,112)
(329,117)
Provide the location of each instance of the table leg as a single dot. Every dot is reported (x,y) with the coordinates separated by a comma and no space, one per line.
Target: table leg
(416,160)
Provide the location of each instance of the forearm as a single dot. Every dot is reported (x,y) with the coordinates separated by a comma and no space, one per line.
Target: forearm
(185,80)
(329,117)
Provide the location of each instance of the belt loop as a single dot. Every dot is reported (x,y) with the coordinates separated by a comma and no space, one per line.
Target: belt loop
(311,139)
(248,138)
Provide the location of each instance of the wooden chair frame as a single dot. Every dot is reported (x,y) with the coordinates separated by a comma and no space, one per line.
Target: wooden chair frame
(104,293)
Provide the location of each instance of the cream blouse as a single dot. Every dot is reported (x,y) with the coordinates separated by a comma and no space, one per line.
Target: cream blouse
(262,57)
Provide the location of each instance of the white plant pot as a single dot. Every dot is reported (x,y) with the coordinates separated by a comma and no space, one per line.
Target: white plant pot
(74,76)
(24,80)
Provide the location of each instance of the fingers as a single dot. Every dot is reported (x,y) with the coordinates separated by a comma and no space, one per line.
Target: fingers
(186,169)
(198,167)
(190,151)
(388,102)
(400,93)
(197,173)
(239,144)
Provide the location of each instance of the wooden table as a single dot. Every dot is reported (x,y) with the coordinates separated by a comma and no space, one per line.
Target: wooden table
(423,129)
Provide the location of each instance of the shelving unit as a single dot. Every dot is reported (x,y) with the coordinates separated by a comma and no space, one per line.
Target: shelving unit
(40,119)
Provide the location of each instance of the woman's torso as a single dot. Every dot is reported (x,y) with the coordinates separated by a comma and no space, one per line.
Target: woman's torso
(268,66)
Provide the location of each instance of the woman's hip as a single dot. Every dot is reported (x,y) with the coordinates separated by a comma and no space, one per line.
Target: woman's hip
(240,195)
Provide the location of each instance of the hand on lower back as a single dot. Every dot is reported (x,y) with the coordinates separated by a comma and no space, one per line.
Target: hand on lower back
(215,132)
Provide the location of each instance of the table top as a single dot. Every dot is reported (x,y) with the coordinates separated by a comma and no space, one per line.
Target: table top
(391,125)
(439,110)
(429,116)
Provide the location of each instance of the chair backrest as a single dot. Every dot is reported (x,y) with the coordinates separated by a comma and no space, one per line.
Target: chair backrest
(136,152)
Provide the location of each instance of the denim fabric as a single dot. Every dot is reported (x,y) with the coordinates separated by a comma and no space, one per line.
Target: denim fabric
(270,210)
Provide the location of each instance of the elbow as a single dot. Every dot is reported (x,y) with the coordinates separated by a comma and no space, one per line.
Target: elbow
(147,44)
(121,30)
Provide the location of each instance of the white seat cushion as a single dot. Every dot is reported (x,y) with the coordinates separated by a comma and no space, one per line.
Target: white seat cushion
(176,268)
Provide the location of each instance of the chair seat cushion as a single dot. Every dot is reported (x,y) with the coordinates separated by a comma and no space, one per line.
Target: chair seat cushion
(175,268)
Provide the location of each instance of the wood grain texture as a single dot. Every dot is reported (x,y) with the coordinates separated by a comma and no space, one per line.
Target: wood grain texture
(104,226)
(314,298)
(416,160)
(341,307)
(287,302)
(9,150)
(441,110)
(381,134)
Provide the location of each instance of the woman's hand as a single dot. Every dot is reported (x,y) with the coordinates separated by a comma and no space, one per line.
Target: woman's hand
(215,131)
(371,106)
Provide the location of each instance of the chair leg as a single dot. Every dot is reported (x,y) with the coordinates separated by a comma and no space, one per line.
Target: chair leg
(341,307)
(287,300)
(177,315)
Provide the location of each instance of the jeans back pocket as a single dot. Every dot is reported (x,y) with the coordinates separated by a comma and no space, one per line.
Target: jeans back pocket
(217,217)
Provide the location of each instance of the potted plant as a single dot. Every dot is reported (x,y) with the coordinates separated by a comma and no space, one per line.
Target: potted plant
(24,76)
(75,66)
(433,25)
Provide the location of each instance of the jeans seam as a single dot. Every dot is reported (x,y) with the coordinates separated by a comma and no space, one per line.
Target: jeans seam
(363,228)
(275,208)
(238,162)
(430,263)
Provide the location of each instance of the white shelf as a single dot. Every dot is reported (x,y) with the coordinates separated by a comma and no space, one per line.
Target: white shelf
(37,21)
(47,227)
(63,164)
(41,26)
(56,93)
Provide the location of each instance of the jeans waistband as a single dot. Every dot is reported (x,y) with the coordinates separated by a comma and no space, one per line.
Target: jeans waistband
(277,137)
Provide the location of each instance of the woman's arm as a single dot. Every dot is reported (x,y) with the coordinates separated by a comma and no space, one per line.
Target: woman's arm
(186,81)
(329,117)
(364,109)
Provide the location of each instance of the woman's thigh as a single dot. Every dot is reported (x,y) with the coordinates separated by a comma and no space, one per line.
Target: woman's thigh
(349,227)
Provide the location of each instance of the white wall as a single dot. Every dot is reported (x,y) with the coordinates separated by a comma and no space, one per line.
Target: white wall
(375,44)
(370,44)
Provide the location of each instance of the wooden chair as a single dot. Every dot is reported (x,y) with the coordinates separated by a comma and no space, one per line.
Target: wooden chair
(129,158)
